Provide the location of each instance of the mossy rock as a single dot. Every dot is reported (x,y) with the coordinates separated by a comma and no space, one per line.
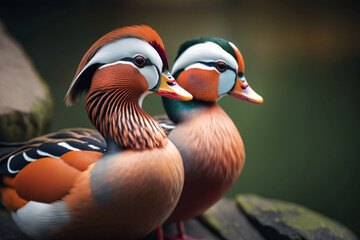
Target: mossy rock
(283,220)
(248,217)
(25,100)
(229,222)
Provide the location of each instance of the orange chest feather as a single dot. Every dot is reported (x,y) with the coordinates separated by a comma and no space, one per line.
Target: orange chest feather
(210,146)
(126,194)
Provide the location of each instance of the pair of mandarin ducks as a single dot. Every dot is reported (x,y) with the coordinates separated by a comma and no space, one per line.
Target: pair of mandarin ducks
(136,173)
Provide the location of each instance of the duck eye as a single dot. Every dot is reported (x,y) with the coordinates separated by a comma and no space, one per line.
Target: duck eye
(221,66)
(139,61)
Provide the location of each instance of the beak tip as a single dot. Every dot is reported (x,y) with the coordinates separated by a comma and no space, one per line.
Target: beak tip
(252,99)
(188,98)
(184,95)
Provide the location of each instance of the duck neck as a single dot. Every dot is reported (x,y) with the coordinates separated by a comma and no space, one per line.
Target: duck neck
(179,111)
(118,116)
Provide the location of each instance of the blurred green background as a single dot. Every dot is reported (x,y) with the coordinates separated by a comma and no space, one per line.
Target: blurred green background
(303,57)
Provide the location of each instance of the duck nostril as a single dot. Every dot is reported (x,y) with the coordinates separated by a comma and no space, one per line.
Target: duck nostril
(171,83)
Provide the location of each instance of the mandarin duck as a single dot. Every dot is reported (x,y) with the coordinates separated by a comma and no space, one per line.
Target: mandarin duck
(207,139)
(122,181)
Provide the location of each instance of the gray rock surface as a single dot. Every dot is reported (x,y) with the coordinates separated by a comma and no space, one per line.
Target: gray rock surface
(283,220)
(249,217)
(229,222)
(25,101)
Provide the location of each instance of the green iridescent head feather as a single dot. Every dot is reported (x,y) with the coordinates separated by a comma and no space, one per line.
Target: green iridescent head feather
(224,44)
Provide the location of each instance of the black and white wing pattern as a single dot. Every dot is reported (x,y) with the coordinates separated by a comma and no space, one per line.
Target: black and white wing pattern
(15,156)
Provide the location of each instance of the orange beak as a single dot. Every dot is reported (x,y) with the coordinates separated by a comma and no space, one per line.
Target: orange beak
(169,88)
(243,91)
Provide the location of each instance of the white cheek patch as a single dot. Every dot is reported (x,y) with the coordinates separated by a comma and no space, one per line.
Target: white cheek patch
(207,52)
(151,75)
(226,82)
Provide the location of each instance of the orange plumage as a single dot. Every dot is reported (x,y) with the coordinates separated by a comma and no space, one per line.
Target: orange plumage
(211,147)
(212,162)
(120,183)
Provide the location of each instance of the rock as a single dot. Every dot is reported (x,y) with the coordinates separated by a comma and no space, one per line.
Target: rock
(229,222)
(250,217)
(283,220)
(193,228)
(25,101)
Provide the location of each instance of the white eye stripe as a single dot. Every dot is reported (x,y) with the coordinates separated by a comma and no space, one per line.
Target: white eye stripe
(115,63)
(209,66)
(206,52)
(110,54)
(126,48)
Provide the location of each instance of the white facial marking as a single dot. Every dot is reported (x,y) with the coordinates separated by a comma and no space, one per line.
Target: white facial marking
(115,63)
(209,52)
(40,220)
(149,72)
(206,52)
(130,47)
(200,66)
(226,82)
(151,75)
(126,47)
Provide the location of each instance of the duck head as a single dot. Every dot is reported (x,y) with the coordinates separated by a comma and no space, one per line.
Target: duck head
(131,58)
(117,72)
(210,68)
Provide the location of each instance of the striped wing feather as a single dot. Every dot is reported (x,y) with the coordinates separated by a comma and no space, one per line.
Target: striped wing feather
(52,145)
(44,169)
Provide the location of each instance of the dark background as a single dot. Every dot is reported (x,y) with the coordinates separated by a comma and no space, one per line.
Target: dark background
(303,57)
